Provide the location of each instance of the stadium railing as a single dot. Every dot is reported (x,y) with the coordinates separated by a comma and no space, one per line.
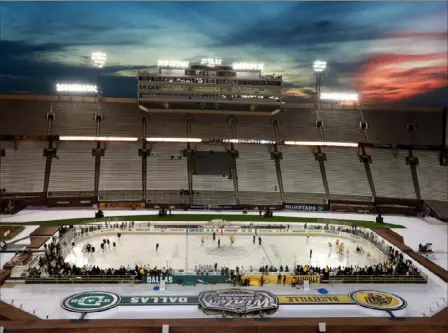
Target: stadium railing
(378,279)
(81,279)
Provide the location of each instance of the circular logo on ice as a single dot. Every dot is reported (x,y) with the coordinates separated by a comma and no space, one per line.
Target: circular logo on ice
(378,300)
(94,301)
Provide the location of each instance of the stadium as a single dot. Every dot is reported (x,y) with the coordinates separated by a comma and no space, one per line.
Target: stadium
(208,203)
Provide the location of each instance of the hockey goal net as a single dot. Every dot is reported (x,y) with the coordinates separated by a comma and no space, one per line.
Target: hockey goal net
(218,224)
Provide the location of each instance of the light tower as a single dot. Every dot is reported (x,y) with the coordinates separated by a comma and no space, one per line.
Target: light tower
(319,67)
(98,61)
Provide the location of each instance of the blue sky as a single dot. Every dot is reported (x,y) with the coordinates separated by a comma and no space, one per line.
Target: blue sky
(388,51)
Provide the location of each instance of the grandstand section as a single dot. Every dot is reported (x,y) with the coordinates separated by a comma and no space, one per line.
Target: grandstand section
(346,175)
(72,172)
(120,176)
(301,175)
(257,174)
(22,170)
(391,175)
(432,176)
(26,115)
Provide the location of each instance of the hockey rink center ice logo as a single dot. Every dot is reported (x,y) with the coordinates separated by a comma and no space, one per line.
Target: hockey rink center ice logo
(94,301)
(238,301)
(378,300)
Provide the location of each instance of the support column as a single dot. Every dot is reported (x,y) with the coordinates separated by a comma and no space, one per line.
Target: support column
(367,160)
(321,158)
(277,156)
(49,153)
(97,152)
(234,154)
(189,154)
(144,152)
(412,161)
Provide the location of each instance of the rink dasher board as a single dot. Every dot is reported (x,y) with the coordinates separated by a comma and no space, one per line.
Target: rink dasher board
(226,232)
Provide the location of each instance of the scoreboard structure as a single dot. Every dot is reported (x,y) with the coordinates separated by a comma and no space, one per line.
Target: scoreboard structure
(209,84)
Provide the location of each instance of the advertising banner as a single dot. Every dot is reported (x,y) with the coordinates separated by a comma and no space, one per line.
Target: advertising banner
(306,207)
(231,300)
(121,205)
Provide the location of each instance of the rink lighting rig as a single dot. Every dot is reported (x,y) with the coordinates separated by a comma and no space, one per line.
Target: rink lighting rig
(212,141)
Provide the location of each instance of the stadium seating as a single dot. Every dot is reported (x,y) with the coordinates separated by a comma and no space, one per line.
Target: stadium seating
(22,170)
(346,174)
(256,174)
(72,172)
(391,175)
(432,177)
(121,172)
(301,175)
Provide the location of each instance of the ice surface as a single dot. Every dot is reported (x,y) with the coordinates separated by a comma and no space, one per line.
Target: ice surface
(180,251)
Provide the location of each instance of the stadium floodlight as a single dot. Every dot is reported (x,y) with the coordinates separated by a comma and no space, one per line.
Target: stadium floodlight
(322,143)
(250,141)
(319,66)
(177,140)
(99,59)
(76,88)
(342,97)
(248,66)
(173,63)
(211,62)
(97,138)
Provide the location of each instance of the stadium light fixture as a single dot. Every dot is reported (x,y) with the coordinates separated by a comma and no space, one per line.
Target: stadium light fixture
(177,140)
(173,63)
(319,66)
(99,59)
(97,138)
(211,62)
(249,141)
(341,97)
(322,143)
(248,66)
(76,88)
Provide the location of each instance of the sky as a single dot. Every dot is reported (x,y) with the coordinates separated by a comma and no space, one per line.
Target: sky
(388,52)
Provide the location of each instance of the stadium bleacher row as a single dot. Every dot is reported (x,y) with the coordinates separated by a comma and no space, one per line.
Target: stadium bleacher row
(72,172)
(29,117)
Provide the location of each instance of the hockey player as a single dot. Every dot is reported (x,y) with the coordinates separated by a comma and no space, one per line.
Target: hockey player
(259,240)
(311,253)
(157,247)
(254,239)
(202,240)
(214,235)
(114,245)
(219,243)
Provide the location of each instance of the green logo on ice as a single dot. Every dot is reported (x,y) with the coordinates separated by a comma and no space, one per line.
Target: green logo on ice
(94,301)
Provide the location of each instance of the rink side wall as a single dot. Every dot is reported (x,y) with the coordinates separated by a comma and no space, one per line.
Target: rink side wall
(334,325)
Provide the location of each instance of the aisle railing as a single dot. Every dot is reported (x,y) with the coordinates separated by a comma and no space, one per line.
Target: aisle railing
(378,279)
(80,279)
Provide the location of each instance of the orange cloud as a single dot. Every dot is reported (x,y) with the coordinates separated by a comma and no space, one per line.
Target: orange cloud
(394,77)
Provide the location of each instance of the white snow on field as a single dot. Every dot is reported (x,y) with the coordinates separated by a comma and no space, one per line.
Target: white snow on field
(422,299)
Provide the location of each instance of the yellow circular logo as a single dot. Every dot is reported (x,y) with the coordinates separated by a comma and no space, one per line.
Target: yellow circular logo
(378,300)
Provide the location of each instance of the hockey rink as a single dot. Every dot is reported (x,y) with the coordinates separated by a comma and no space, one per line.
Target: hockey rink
(187,251)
